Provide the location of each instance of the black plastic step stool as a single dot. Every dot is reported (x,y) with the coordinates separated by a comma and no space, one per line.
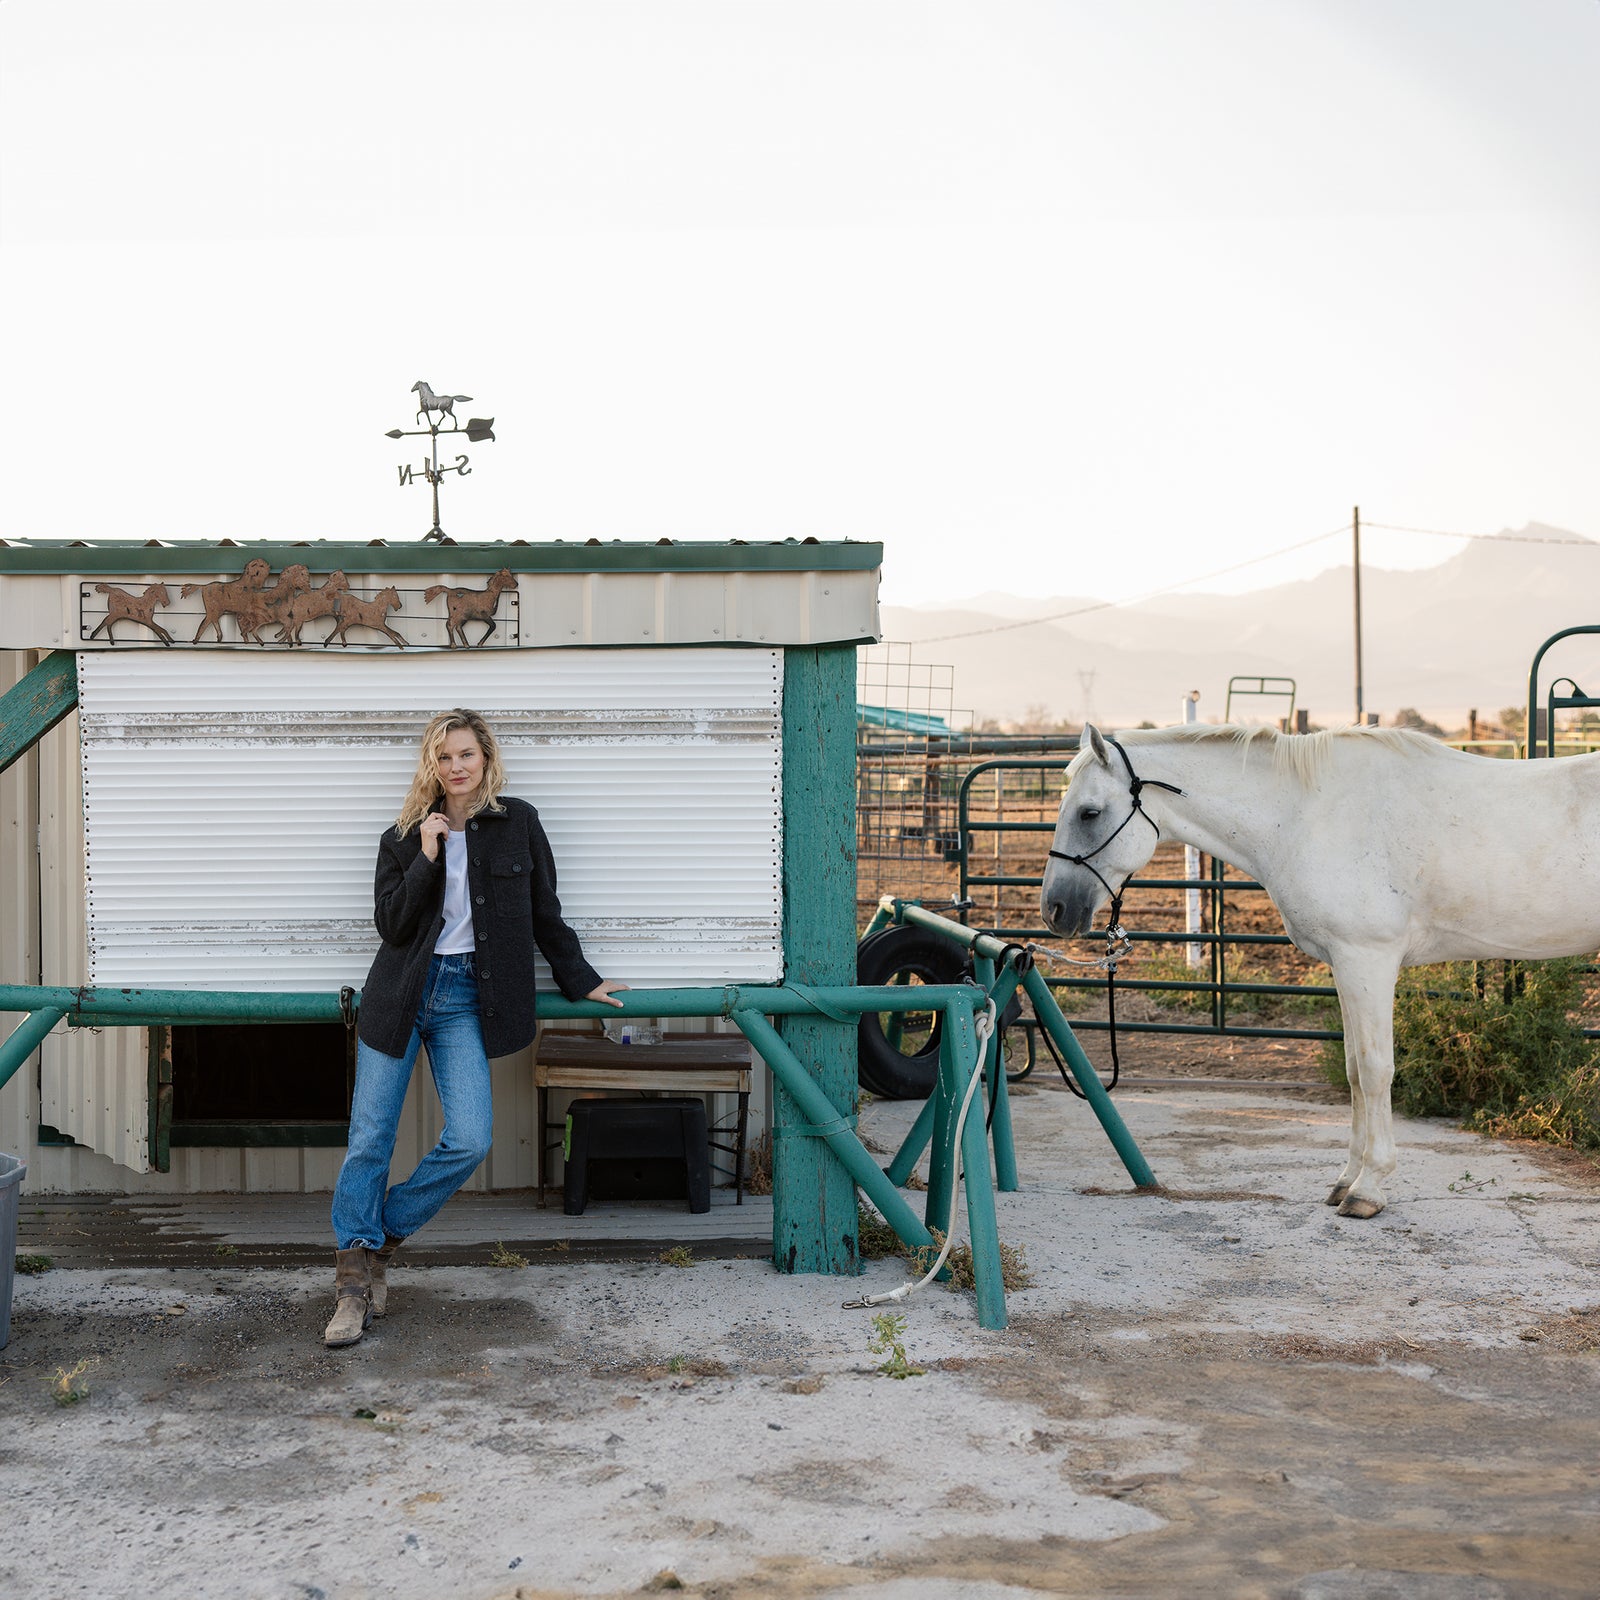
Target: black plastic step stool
(636,1150)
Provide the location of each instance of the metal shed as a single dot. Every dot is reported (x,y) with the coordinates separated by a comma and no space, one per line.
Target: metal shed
(204,813)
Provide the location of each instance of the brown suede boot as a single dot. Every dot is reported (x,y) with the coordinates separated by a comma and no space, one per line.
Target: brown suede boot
(353,1284)
(380,1275)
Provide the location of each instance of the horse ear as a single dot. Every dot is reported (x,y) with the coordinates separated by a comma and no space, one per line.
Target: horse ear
(1096,743)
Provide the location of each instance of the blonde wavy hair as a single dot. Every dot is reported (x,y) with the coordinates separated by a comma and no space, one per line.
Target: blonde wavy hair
(425,785)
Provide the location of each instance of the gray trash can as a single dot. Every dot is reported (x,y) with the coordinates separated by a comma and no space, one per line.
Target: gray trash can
(12,1171)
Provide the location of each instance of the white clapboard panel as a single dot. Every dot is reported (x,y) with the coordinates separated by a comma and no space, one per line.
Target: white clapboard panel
(232,805)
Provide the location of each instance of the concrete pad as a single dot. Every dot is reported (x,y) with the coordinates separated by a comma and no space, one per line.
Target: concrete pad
(1226,1389)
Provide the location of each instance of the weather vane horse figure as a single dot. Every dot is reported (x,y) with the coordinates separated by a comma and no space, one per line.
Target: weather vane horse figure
(444,404)
(1380,847)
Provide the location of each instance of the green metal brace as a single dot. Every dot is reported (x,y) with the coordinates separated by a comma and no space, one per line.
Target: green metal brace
(34,704)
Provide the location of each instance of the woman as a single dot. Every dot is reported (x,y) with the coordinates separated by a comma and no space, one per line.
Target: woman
(466,887)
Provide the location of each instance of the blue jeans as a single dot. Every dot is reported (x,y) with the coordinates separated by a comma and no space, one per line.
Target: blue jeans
(365,1209)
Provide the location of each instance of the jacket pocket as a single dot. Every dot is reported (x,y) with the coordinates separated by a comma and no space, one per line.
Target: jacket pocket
(511,878)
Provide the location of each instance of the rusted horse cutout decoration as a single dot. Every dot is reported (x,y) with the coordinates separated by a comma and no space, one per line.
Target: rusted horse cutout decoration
(296,610)
(235,598)
(444,404)
(471,605)
(124,607)
(354,612)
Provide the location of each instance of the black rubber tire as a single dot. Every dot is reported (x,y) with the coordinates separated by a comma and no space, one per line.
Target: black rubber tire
(897,954)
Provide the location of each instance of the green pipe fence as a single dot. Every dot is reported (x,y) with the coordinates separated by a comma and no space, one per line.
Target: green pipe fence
(988,947)
(748,1006)
(1217,886)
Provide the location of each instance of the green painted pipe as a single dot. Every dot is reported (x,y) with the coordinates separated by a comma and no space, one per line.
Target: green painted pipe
(1051,1020)
(841,1138)
(34,704)
(1001,1136)
(982,944)
(24,1040)
(98,1007)
(1005,1157)
(983,1227)
(910,1152)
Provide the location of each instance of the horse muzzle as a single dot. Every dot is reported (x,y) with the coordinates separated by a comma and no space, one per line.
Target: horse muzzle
(1069,906)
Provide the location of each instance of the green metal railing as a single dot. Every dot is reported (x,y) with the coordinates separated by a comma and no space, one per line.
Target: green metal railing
(1216,884)
(748,1006)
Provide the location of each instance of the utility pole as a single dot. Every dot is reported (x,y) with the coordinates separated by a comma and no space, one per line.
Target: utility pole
(1355,526)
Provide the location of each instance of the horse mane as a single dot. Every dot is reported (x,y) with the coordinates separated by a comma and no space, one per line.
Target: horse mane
(1302,756)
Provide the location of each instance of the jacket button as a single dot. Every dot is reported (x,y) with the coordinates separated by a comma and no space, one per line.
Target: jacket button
(477,861)
(484,973)
(489,1012)
(480,899)
(474,827)
(516,866)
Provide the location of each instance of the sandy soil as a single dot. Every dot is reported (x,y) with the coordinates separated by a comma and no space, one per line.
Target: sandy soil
(1224,1390)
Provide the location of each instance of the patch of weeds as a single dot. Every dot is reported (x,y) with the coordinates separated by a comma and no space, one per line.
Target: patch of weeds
(759,1179)
(69,1386)
(676,1364)
(1506,1056)
(888,1341)
(226,1250)
(876,1239)
(502,1256)
(1466,1184)
(562,1245)
(678,1255)
(32,1266)
(1014,1270)
(915,1181)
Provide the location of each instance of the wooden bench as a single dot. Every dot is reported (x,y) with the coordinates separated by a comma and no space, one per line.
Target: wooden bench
(680,1063)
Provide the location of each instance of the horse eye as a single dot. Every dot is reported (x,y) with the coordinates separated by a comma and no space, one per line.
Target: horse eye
(1088,813)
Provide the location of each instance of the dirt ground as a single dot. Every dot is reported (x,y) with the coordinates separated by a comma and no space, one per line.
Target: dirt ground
(1223,1389)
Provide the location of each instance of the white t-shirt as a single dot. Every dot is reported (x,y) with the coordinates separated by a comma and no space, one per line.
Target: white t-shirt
(455,938)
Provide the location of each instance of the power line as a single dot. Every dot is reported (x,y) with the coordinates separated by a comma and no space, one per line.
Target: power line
(1137,599)
(1495,538)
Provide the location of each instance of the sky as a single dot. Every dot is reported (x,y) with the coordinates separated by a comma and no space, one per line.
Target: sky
(1073,298)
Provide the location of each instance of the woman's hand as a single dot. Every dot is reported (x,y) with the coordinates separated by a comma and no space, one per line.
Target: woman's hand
(432,830)
(603,992)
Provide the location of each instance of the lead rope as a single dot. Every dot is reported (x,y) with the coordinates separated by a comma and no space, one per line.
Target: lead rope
(1117,942)
(983,1023)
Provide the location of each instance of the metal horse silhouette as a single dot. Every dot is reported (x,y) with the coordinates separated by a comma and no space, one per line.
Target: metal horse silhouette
(140,608)
(470,605)
(444,404)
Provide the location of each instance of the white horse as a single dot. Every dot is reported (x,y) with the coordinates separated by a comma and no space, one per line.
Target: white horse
(1381,849)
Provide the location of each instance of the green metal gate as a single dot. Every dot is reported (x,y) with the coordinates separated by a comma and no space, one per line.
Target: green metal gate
(986,812)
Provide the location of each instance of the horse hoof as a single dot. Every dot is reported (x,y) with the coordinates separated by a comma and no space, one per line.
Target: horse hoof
(1336,1194)
(1354,1206)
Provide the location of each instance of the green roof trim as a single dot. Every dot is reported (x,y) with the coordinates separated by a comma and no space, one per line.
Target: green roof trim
(323,555)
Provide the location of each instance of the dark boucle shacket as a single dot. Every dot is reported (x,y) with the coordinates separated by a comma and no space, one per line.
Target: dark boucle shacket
(511,889)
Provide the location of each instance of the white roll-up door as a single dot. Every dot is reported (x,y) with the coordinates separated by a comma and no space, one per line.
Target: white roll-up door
(232,805)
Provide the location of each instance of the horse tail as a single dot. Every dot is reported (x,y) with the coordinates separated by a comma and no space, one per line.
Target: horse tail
(434,593)
(187,590)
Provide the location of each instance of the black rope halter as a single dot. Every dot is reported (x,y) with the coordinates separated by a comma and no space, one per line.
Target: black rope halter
(1114,931)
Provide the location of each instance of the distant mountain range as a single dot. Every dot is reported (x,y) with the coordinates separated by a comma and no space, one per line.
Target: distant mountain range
(1439,639)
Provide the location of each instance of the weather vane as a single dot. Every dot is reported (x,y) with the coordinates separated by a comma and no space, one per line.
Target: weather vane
(433,409)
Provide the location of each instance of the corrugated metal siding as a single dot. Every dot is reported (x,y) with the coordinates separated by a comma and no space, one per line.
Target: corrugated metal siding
(86,1071)
(233,805)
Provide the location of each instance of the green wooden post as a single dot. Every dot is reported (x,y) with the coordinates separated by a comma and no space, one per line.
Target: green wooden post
(813,1197)
(33,705)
